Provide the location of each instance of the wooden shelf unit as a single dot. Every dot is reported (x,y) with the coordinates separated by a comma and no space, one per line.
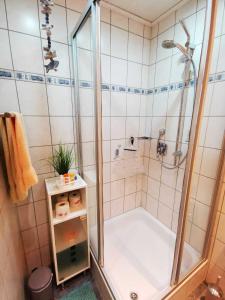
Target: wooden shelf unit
(69,236)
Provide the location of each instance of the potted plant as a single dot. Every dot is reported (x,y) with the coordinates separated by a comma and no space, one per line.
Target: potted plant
(62,161)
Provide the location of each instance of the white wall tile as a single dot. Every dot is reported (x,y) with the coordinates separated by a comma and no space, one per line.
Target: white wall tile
(77,5)
(215,125)
(118,71)
(30,240)
(132,127)
(105,14)
(88,150)
(210,162)
(146,51)
(72,18)
(153,187)
(41,211)
(32,98)
(147,32)
(87,129)
(26,58)
(87,99)
(200,24)
(167,22)
(5,58)
(106,210)
(130,185)
(167,195)
(117,128)
(8,95)
(105,38)
(105,68)
(38,131)
(155,169)
(26,216)
(117,189)
(217,107)
(118,104)
(117,207)
(152,205)
(84,65)
(197,237)
(129,202)
(84,35)
(205,190)
(135,48)
(136,27)
(119,40)
(160,104)
(59,100)
(39,158)
(119,20)
(201,215)
(60,126)
(106,103)
(153,50)
(162,76)
(221,60)
(186,10)
(3,22)
(23,16)
(43,234)
(106,127)
(134,74)
(165,215)
(133,105)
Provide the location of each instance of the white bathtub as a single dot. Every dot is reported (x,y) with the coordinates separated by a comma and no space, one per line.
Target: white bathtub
(139,254)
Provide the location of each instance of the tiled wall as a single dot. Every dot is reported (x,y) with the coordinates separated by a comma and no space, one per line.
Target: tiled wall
(45,101)
(12,260)
(161,187)
(125,52)
(125,48)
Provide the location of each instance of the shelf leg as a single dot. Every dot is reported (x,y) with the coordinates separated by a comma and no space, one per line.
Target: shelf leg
(62,286)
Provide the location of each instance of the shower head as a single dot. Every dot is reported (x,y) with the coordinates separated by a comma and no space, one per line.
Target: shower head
(169,44)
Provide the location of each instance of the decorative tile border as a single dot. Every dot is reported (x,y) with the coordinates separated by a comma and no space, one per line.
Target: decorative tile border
(53,80)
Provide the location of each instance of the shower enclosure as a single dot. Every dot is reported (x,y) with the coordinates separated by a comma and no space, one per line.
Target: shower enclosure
(144,218)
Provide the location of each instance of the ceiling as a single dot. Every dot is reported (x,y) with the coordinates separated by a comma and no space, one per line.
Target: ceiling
(146,9)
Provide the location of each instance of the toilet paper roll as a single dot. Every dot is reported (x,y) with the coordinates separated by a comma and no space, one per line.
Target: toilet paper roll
(62,197)
(74,199)
(62,209)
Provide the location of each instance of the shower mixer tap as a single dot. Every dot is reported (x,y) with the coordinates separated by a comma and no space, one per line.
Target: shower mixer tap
(161,148)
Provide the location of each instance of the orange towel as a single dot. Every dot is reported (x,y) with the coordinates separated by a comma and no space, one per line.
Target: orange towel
(22,175)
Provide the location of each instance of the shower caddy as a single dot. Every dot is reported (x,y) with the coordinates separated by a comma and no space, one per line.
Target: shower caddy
(69,235)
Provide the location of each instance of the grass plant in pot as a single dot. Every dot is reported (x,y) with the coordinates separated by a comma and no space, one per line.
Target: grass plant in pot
(62,160)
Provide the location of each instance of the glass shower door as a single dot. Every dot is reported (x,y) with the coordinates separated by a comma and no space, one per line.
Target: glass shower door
(87,115)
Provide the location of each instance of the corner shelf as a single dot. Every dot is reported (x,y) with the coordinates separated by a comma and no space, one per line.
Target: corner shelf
(69,236)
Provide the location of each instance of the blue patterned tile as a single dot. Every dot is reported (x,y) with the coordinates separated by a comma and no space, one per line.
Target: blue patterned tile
(37,78)
(6,74)
(85,84)
(105,87)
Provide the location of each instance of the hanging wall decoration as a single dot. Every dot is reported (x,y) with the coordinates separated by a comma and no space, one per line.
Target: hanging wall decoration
(49,53)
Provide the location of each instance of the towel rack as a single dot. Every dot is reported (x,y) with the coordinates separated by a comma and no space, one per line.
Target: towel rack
(7,115)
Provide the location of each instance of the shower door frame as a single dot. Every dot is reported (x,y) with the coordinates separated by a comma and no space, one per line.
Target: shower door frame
(202,82)
(93,7)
